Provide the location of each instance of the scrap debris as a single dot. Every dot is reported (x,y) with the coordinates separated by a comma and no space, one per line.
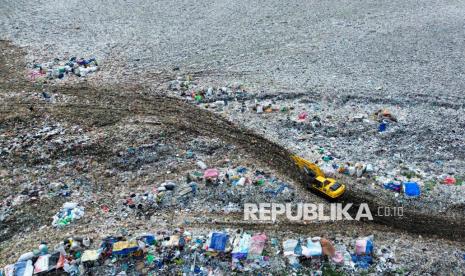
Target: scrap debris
(232,250)
(58,69)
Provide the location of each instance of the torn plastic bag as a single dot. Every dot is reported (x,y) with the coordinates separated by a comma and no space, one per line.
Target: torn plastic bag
(362,261)
(257,244)
(42,264)
(364,246)
(9,270)
(241,247)
(289,247)
(312,249)
(24,268)
(89,256)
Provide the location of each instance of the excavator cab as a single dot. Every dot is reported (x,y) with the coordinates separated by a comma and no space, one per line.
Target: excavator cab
(317,180)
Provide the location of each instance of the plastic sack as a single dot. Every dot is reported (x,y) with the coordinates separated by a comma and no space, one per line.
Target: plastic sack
(211,174)
(338,257)
(362,261)
(312,249)
(241,247)
(55,261)
(257,244)
(125,247)
(218,241)
(90,255)
(24,268)
(289,246)
(364,246)
(41,265)
(411,189)
(9,270)
(392,186)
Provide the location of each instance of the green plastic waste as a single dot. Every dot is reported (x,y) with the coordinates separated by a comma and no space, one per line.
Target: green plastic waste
(65,221)
(150,258)
(179,261)
(326,158)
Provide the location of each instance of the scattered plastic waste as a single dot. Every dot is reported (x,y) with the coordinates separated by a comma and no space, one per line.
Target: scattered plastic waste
(210,174)
(313,248)
(218,241)
(411,189)
(303,116)
(68,213)
(362,261)
(149,182)
(382,126)
(60,69)
(393,186)
(364,246)
(449,180)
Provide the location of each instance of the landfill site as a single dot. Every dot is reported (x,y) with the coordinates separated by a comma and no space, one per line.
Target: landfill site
(182,137)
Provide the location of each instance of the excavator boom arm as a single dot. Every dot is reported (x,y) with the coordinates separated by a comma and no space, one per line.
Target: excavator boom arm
(302,163)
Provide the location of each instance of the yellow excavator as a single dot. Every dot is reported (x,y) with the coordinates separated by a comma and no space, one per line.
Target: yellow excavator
(318,181)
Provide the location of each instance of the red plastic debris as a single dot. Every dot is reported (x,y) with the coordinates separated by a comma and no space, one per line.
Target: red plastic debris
(303,115)
(449,180)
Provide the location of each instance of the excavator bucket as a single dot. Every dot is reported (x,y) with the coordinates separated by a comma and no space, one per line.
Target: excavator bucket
(307,166)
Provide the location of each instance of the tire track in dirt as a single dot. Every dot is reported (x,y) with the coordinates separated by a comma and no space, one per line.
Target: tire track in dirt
(186,117)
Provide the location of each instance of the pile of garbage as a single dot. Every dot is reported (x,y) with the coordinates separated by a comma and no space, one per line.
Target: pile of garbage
(180,251)
(60,69)
(226,189)
(216,97)
(143,168)
(317,252)
(349,139)
(70,212)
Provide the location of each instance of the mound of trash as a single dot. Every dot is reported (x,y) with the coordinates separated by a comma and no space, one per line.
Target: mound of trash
(207,253)
(59,69)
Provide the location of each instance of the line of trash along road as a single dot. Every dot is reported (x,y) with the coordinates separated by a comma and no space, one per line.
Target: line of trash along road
(214,253)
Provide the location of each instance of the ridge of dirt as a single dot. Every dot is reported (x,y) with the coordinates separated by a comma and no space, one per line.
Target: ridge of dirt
(186,117)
